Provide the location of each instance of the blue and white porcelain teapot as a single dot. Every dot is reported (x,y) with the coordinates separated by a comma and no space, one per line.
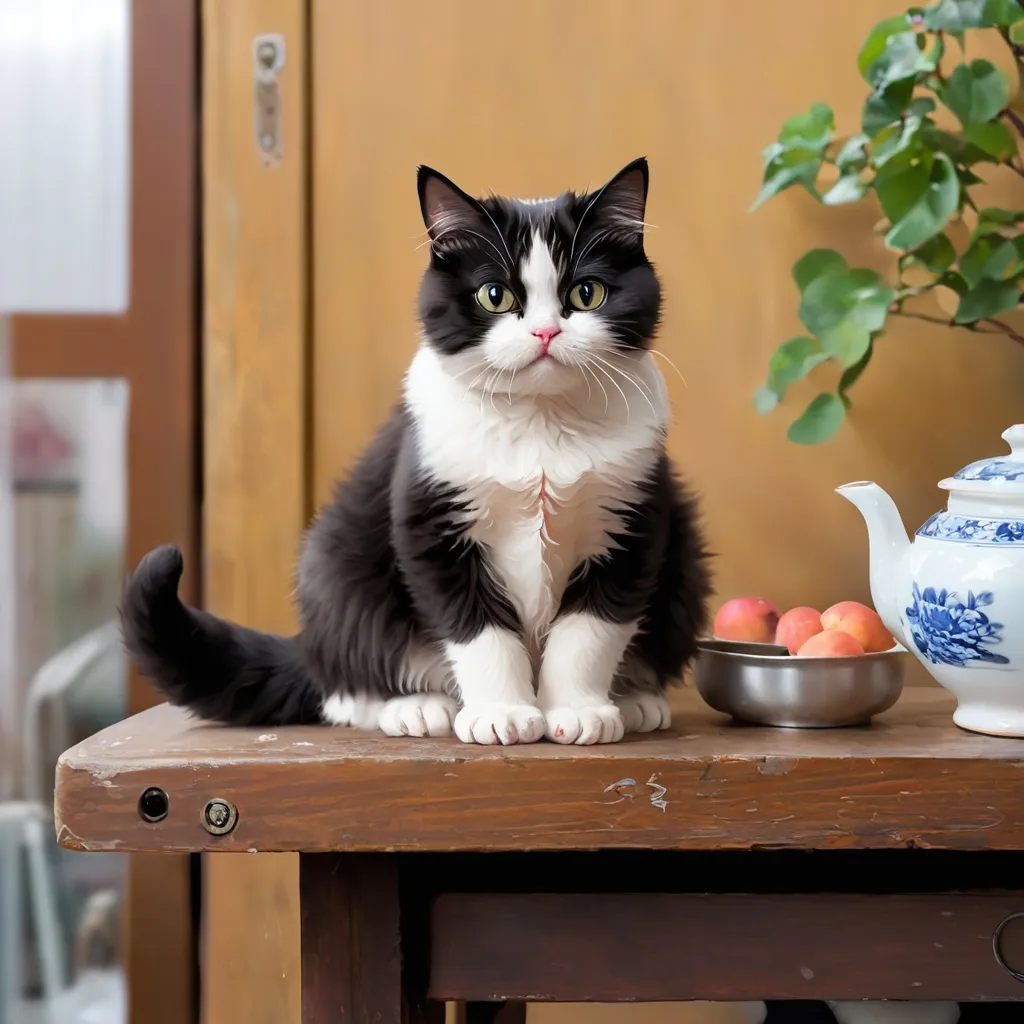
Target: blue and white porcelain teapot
(955,595)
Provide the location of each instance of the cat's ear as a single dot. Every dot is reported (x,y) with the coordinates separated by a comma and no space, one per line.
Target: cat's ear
(446,208)
(620,203)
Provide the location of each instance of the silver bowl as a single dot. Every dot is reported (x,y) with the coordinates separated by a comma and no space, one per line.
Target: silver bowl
(764,685)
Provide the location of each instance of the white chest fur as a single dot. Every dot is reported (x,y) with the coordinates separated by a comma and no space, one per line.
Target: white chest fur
(544,476)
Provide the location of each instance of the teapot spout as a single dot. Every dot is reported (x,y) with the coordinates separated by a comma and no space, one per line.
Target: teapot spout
(888,545)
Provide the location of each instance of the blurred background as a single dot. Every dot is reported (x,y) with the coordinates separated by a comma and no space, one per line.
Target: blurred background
(209,250)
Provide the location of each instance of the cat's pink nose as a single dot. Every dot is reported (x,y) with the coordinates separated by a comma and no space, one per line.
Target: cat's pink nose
(547,335)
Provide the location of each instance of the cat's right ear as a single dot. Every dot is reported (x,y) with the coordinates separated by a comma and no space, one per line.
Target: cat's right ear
(446,208)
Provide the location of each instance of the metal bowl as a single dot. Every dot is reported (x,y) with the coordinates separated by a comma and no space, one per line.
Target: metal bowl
(762,684)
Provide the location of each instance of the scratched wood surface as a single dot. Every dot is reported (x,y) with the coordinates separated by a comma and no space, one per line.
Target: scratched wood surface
(912,779)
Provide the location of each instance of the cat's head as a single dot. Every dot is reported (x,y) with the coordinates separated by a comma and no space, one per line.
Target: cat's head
(528,296)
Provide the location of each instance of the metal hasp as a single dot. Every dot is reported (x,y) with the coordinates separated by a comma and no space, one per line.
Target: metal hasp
(268,53)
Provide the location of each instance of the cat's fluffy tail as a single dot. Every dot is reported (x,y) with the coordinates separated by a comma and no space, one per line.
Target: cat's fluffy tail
(214,668)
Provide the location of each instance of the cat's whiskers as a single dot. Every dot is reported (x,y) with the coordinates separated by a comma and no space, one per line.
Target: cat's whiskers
(488,390)
(614,382)
(469,369)
(473,382)
(656,352)
(585,368)
(515,370)
(476,234)
(645,393)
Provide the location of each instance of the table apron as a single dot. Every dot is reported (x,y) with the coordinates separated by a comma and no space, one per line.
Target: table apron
(674,947)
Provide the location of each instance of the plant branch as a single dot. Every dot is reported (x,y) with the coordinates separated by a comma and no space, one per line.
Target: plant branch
(1013,167)
(1015,119)
(1005,329)
(998,325)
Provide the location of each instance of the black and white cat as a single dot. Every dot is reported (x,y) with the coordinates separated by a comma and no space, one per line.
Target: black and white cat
(512,556)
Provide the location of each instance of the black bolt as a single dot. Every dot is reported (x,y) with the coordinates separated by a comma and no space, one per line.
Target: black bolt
(153,804)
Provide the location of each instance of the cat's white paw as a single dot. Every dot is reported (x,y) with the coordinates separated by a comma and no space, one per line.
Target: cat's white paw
(644,712)
(600,724)
(499,723)
(418,714)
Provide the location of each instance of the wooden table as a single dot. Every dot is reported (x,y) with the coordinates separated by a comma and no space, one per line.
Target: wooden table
(712,862)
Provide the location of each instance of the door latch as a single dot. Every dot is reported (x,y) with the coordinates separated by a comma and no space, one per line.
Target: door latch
(268,59)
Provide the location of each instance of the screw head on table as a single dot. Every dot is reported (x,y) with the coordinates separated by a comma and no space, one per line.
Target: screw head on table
(219,816)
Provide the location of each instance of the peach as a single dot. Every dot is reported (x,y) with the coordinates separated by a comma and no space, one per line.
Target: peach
(861,622)
(831,643)
(797,626)
(748,619)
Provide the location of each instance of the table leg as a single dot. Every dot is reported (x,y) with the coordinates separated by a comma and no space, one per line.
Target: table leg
(494,1013)
(351,943)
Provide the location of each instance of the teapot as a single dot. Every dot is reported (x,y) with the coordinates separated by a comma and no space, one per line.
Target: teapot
(954,596)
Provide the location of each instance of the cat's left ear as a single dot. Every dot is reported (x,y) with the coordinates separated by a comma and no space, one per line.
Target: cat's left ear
(620,203)
(446,208)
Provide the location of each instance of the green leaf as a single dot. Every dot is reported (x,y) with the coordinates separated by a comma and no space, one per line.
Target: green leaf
(795,158)
(932,211)
(975,92)
(853,156)
(878,40)
(1003,12)
(993,220)
(902,59)
(987,298)
(902,184)
(815,264)
(765,400)
(790,167)
(922,106)
(791,361)
(1017,33)
(843,309)
(820,420)
(993,139)
(959,151)
(883,107)
(848,189)
(809,130)
(955,281)
(895,139)
(955,15)
(991,256)
(936,254)
(852,373)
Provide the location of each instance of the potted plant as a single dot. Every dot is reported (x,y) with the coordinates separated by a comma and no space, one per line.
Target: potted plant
(925,178)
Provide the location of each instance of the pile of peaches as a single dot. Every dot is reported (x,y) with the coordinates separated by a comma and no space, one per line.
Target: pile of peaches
(845,630)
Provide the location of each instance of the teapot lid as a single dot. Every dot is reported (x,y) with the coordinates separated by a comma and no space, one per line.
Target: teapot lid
(1003,474)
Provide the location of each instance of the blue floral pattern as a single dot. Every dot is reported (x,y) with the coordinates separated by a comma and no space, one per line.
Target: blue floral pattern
(948,526)
(948,631)
(992,469)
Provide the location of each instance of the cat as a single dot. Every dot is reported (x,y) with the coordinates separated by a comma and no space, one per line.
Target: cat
(512,557)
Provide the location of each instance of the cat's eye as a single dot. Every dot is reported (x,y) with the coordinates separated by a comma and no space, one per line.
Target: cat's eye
(495,298)
(587,295)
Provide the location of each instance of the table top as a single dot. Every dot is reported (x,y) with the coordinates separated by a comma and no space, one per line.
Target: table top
(910,779)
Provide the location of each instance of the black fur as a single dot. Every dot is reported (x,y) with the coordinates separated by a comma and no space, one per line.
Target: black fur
(388,563)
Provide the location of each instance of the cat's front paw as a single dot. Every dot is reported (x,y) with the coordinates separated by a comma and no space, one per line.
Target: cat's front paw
(645,713)
(499,723)
(599,724)
(418,714)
